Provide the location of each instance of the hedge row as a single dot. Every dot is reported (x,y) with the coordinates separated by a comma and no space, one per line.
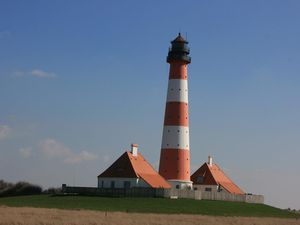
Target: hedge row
(20,188)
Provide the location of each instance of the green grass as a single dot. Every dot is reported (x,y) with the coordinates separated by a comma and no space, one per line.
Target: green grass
(148,205)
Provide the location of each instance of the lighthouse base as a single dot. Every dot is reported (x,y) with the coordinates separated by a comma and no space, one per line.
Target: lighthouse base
(181,184)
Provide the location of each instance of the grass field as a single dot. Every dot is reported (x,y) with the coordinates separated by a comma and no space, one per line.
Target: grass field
(148,205)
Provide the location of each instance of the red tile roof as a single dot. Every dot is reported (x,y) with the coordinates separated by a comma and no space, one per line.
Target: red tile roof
(120,168)
(213,175)
(130,166)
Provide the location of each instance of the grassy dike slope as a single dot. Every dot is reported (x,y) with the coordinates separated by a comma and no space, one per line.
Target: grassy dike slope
(148,205)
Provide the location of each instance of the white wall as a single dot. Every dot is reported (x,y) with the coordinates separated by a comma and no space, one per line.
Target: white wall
(119,182)
(179,184)
(214,188)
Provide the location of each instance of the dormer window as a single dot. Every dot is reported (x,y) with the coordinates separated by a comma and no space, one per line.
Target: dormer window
(200,179)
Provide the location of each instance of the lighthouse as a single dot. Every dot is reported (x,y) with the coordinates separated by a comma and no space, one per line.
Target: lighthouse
(174,163)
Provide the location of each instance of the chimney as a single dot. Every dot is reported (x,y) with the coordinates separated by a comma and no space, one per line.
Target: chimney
(210,163)
(134,149)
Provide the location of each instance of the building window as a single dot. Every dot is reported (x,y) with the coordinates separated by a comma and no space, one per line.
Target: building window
(208,189)
(102,183)
(219,188)
(126,184)
(200,179)
(112,184)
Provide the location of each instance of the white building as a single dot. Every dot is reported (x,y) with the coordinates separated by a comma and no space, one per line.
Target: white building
(210,178)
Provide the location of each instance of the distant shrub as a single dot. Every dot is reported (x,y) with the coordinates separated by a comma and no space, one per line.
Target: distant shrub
(4,185)
(20,188)
(52,191)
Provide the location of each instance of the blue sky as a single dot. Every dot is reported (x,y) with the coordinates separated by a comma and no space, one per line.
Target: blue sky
(80,81)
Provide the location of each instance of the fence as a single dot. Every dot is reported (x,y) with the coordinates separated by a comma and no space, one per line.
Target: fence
(162,193)
(114,192)
(222,196)
(178,193)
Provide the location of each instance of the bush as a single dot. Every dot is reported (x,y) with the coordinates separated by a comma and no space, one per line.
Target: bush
(20,188)
(4,185)
(52,191)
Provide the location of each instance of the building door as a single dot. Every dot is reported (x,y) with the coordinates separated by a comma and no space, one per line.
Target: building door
(112,184)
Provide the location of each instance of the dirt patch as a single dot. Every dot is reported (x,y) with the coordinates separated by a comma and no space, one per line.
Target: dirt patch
(39,216)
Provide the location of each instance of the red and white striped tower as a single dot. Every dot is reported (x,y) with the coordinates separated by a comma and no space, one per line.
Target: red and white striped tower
(174,163)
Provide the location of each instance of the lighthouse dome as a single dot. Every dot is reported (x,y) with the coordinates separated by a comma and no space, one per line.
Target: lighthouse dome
(179,50)
(179,38)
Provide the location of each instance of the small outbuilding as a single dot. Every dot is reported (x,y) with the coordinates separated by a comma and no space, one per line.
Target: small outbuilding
(209,177)
(131,170)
